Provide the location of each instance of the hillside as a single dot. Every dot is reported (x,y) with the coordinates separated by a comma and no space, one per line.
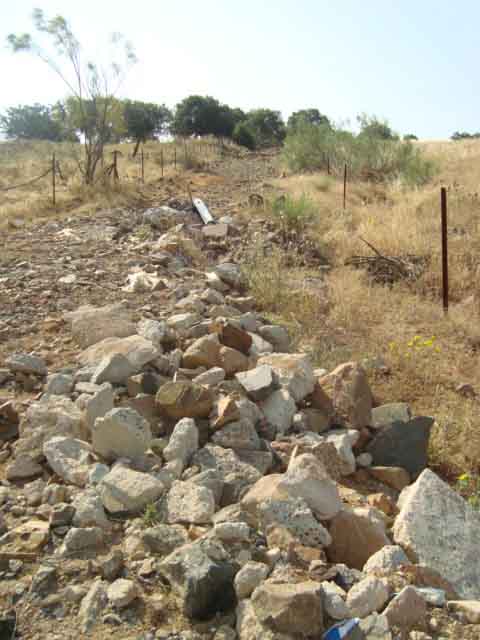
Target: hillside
(214,448)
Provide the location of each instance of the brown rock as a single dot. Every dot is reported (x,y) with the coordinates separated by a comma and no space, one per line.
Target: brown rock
(290,608)
(184,399)
(351,394)
(204,352)
(355,539)
(235,338)
(317,419)
(232,361)
(394,477)
(406,610)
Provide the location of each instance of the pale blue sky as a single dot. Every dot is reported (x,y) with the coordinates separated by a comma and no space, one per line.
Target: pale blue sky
(414,63)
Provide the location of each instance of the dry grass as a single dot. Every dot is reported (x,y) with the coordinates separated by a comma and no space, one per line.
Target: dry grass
(21,162)
(364,320)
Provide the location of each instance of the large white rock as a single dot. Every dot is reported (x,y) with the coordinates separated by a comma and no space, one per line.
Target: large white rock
(183,442)
(125,490)
(294,371)
(122,433)
(136,349)
(386,559)
(69,458)
(92,324)
(89,511)
(343,441)
(294,515)
(367,596)
(279,409)
(439,529)
(250,576)
(190,503)
(306,478)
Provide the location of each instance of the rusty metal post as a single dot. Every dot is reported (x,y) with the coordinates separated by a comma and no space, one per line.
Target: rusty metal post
(143,167)
(115,166)
(175,157)
(345,187)
(161,159)
(443,200)
(54,171)
(185,150)
(328,165)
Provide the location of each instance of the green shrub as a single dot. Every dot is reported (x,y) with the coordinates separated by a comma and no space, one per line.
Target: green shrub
(243,136)
(368,156)
(292,214)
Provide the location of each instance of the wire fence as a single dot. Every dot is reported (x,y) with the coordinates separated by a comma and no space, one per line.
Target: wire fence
(186,155)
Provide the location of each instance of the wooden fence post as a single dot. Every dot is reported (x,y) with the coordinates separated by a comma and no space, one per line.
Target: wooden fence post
(161,159)
(345,187)
(143,167)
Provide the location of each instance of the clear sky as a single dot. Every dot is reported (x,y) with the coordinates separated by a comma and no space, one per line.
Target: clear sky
(412,62)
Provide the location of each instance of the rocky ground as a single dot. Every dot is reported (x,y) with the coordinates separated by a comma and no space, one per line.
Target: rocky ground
(171,470)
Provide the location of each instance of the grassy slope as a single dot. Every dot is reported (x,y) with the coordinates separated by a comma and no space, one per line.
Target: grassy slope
(362,320)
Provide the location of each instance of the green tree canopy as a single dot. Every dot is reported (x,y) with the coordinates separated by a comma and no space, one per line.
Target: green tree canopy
(308,116)
(266,126)
(204,115)
(32,122)
(373,127)
(145,120)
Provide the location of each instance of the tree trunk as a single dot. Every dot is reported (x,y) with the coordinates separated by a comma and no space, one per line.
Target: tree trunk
(137,145)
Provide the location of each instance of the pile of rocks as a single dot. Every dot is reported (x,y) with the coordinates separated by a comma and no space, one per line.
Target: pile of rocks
(189,477)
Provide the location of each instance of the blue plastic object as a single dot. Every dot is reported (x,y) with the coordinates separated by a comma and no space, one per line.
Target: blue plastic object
(341,630)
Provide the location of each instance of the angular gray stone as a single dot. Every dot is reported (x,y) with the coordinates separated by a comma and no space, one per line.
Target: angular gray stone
(279,409)
(237,435)
(344,440)
(212,480)
(258,383)
(236,475)
(59,384)
(136,349)
(93,324)
(294,372)
(23,467)
(386,560)
(437,528)
(403,444)
(276,335)
(114,368)
(99,404)
(122,433)
(294,515)
(203,576)
(162,539)
(367,596)
(333,598)
(231,274)
(79,540)
(189,503)
(158,333)
(26,363)
(89,511)
(388,413)
(250,576)
(122,592)
(92,605)
(183,442)
(69,458)
(125,490)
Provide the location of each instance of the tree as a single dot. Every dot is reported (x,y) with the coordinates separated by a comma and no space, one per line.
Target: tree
(308,116)
(243,136)
(266,126)
(371,126)
(31,122)
(464,135)
(203,115)
(144,120)
(410,136)
(92,87)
